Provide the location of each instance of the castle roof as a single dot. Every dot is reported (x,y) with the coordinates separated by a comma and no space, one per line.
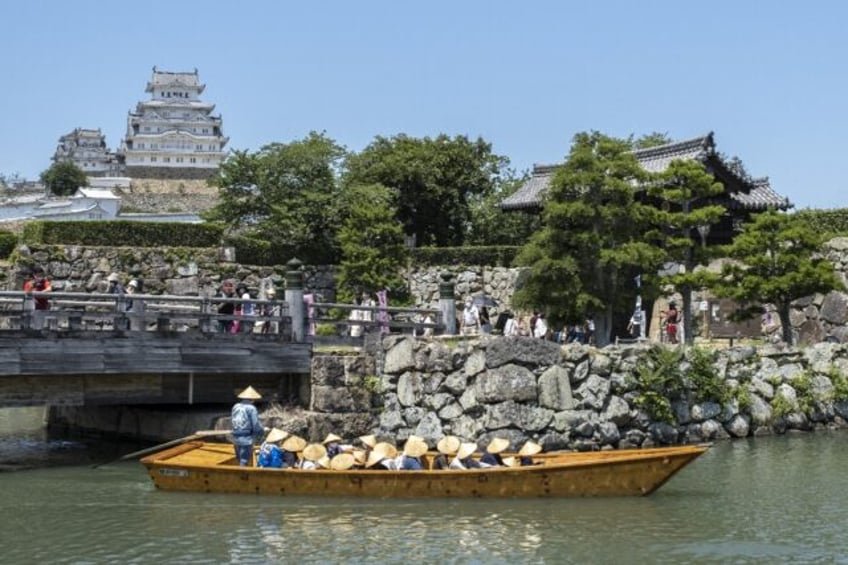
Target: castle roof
(744,194)
(175,79)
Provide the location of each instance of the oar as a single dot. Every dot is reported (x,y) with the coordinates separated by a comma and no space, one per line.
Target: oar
(196,435)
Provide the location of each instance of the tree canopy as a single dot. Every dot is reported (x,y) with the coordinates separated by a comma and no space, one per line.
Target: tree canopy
(778,261)
(64,178)
(372,243)
(286,194)
(435,179)
(596,237)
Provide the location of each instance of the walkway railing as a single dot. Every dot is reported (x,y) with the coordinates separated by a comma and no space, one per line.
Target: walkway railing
(342,318)
(136,313)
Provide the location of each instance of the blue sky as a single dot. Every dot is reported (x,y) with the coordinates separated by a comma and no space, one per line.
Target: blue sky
(768,77)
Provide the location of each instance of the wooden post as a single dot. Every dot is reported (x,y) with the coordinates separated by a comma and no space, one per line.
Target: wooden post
(294,298)
(137,322)
(447,303)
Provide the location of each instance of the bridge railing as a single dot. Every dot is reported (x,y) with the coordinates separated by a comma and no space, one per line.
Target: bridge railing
(66,311)
(386,319)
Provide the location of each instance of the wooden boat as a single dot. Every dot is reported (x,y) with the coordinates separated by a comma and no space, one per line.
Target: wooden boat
(211,467)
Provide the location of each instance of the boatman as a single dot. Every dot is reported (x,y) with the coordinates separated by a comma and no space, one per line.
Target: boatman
(246,427)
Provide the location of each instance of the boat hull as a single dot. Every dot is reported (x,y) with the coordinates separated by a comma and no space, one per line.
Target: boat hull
(204,467)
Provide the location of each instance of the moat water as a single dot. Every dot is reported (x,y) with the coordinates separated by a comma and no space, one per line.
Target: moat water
(770,500)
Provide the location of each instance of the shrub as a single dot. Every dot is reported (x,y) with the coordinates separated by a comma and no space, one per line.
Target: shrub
(492,255)
(659,379)
(8,242)
(708,386)
(118,233)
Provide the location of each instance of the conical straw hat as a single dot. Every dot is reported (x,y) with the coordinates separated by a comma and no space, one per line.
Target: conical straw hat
(530,448)
(324,462)
(331,438)
(386,450)
(511,462)
(359,456)
(369,440)
(466,449)
(497,445)
(294,444)
(373,458)
(414,447)
(276,435)
(342,461)
(449,445)
(249,394)
(314,452)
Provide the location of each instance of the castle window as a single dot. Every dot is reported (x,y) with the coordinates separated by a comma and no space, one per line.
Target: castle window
(167,159)
(192,160)
(153,159)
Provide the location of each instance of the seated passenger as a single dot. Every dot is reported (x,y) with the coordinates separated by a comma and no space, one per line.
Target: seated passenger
(447,447)
(333,444)
(342,462)
(312,453)
(292,446)
(270,454)
(492,457)
(382,457)
(410,458)
(527,451)
(464,459)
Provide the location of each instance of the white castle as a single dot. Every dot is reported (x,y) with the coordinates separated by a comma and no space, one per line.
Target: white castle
(174,134)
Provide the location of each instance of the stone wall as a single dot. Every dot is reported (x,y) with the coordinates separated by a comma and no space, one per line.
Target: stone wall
(577,397)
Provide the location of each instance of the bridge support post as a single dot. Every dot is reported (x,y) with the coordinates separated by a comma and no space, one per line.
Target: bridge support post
(294,298)
(447,303)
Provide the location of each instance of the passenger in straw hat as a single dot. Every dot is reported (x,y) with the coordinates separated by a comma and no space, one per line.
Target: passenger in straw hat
(246,427)
(312,453)
(360,457)
(368,441)
(527,451)
(292,446)
(410,458)
(492,457)
(447,447)
(270,453)
(342,462)
(333,444)
(464,459)
(382,457)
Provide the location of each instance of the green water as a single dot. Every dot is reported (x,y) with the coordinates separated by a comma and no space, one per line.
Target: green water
(770,500)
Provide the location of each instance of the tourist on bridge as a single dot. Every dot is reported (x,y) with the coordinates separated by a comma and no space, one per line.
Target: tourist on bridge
(39,283)
(115,286)
(226,308)
(246,427)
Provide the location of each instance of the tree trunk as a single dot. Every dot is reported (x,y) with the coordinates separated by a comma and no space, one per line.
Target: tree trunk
(785,323)
(688,331)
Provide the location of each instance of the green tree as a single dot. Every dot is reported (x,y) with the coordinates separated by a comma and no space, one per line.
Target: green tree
(286,194)
(64,178)
(492,226)
(596,237)
(778,262)
(652,139)
(435,179)
(372,242)
(684,191)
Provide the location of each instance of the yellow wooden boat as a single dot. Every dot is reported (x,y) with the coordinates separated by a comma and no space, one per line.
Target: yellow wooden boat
(200,466)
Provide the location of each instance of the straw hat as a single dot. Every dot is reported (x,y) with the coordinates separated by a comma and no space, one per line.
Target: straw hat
(497,445)
(294,444)
(323,463)
(511,462)
(530,448)
(369,440)
(342,461)
(133,284)
(466,449)
(114,277)
(276,435)
(373,458)
(271,292)
(359,457)
(385,449)
(314,452)
(415,438)
(414,447)
(449,445)
(331,437)
(249,394)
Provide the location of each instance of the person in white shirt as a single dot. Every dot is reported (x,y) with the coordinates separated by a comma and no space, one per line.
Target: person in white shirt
(511,325)
(541,329)
(470,319)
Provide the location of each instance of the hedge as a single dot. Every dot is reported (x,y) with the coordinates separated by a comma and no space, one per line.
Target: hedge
(493,255)
(250,251)
(122,233)
(8,242)
(829,222)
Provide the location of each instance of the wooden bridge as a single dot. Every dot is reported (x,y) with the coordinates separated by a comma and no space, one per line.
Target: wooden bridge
(88,349)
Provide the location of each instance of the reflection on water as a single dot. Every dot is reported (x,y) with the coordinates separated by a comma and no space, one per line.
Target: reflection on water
(773,500)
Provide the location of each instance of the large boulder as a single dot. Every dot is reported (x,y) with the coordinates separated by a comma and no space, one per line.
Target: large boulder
(524,351)
(508,382)
(555,389)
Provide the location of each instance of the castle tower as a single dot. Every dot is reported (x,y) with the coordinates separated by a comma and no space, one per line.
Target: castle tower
(174,134)
(86,148)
